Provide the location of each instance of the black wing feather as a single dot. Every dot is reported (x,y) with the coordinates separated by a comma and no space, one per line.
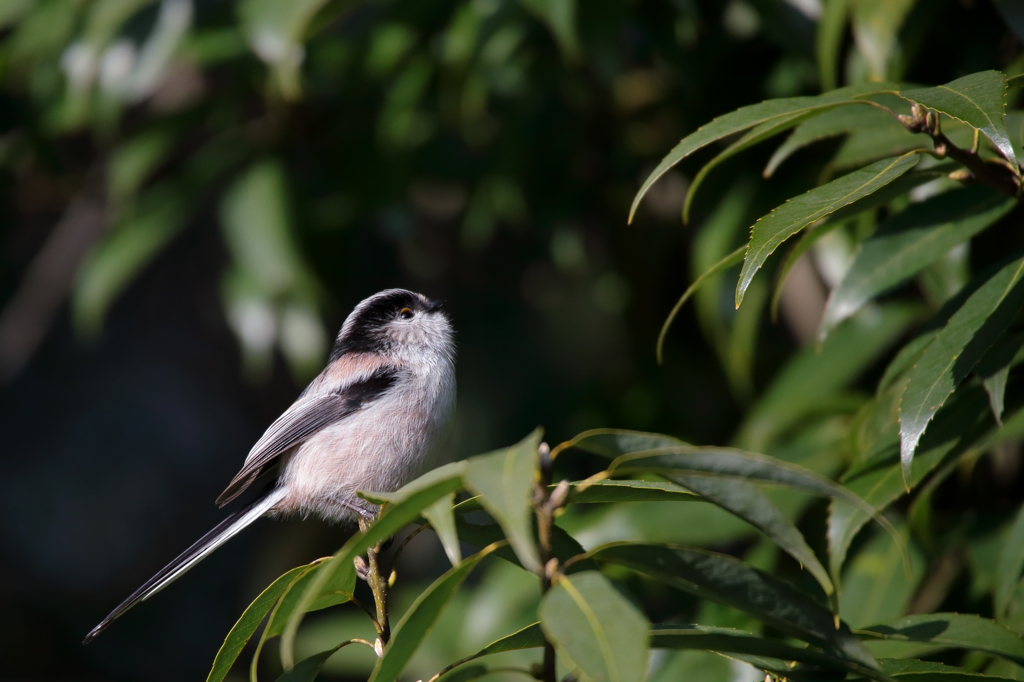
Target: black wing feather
(303,420)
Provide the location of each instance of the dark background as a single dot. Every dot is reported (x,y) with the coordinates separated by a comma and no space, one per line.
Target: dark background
(117,442)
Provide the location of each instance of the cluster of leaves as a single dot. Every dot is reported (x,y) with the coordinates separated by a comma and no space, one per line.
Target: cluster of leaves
(598,631)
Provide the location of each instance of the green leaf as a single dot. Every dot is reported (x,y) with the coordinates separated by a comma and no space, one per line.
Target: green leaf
(978,100)
(911,670)
(530,637)
(722,265)
(392,518)
(1011,564)
(420,618)
(952,631)
(809,380)
(603,492)
(841,121)
(876,25)
(732,641)
(504,482)
(829,40)
(338,590)
(994,369)
(247,624)
(754,507)
(563,545)
(878,481)
(442,520)
(758,134)
(731,582)
(875,585)
(307,669)
(750,116)
(612,443)
(907,242)
(597,628)
(954,352)
(134,161)
(799,212)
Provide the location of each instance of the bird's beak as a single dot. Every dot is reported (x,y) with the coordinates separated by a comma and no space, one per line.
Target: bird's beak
(434,306)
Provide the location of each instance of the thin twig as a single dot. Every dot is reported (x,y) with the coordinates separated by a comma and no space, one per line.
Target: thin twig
(994,173)
(545,511)
(379,587)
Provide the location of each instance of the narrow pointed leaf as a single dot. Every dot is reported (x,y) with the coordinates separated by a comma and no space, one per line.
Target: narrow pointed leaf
(911,670)
(307,669)
(757,134)
(978,100)
(563,545)
(754,507)
(603,492)
(750,116)
(956,349)
(731,582)
(612,443)
(953,631)
(731,641)
(338,590)
(1011,564)
(875,586)
(442,520)
(504,482)
(879,481)
(247,624)
(908,242)
(799,212)
(832,123)
(994,370)
(722,265)
(829,39)
(420,618)
(530,637)
(597,628)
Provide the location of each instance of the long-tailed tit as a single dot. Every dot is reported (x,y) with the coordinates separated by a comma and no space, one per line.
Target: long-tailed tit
(372,420)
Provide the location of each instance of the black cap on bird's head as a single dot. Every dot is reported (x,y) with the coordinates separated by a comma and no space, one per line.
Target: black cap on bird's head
(393,316)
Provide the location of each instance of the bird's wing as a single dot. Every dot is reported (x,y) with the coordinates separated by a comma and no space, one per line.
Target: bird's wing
(305,418)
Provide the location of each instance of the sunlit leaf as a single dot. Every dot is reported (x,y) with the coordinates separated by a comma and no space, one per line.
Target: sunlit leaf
(247,624)
(955,350)
(420,618)
(597,628)
(442,520)
(800,211)
(750,116)
(602,492)
(504,482)
(978,100)
(907,242)
(338,590)
(729,581)
(952,631)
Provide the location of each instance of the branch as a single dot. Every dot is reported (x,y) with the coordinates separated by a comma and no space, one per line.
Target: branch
(545,505)
(994,173)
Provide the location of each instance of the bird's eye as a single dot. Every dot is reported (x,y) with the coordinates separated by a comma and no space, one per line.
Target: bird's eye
(406,314)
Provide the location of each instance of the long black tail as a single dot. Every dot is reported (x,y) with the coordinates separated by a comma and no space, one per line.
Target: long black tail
(223,532)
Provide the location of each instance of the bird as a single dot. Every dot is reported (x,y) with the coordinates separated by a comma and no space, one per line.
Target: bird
(375,418)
